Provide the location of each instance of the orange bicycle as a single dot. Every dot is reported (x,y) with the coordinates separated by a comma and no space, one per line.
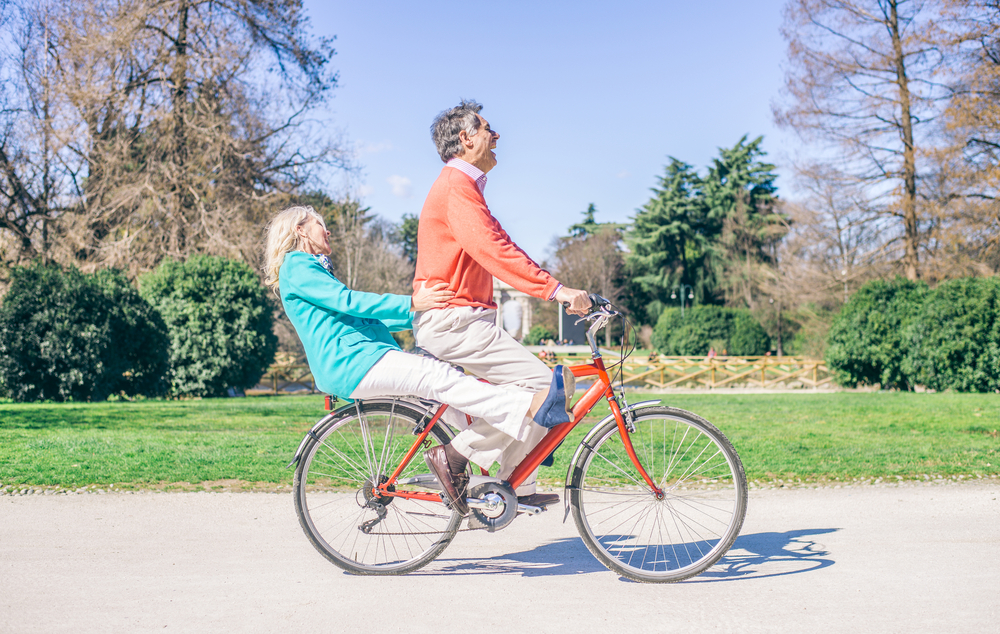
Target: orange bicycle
(657,493)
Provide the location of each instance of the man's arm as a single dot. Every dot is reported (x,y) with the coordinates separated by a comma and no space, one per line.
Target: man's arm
(481,236)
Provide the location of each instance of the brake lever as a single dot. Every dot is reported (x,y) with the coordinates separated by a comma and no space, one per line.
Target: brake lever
(597,314)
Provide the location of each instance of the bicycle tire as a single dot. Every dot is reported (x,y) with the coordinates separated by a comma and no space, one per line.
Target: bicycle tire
(623,523)
(346,454)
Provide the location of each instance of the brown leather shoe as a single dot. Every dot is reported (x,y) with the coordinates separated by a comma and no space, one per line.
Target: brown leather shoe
(454,486)
(538,499)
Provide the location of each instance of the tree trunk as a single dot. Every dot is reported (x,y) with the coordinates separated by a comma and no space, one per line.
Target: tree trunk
(911,235)
(179,80)
(781,352)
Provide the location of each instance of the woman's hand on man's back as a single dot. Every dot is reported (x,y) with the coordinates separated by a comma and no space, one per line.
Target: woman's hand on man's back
(426,298)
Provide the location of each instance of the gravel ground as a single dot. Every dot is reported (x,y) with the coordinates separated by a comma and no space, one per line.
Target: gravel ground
(841,557)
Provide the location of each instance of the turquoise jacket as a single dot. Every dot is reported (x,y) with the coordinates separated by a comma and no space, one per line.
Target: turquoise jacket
(344,332)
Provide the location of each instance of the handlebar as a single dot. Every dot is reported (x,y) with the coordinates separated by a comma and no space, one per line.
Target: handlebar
(601,310)
(596,302)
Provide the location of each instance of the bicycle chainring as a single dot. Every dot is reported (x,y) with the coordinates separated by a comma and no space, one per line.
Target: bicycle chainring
(493,520)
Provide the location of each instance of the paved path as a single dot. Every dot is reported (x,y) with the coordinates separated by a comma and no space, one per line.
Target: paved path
(908,559)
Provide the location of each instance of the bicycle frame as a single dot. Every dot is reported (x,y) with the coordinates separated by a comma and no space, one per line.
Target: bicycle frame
(600,389)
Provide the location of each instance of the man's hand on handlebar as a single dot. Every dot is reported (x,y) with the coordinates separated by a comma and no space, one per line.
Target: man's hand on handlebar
(577,302)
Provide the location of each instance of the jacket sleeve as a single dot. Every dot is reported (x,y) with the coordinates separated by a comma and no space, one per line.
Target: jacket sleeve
(395,325)
(309,281)
(481,236)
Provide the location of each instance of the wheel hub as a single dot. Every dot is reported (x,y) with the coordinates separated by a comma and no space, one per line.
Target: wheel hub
(371,492)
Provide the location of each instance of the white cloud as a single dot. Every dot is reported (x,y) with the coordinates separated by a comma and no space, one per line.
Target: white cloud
(363,148)
(402,187)
(622,174)
(365,190)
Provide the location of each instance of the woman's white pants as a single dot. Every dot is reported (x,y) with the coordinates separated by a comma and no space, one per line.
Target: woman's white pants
(504,408)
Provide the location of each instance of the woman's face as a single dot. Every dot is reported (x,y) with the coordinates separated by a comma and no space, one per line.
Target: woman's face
(313,237)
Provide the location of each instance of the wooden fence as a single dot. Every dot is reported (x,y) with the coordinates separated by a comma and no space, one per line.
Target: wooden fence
(715,372)
(287,375)
(290,375)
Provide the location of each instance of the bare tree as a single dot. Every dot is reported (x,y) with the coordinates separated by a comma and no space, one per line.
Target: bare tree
(835,235)
(835,243)
(592,261)
(369,253)
(174,125)
(746,251)
(30,172)
(864,75)
(384,266)
(967,183)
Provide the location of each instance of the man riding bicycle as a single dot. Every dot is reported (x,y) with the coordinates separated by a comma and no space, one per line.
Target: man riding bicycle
(461,244)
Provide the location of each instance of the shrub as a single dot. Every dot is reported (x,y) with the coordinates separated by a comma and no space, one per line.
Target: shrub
(702,327)
(66,335)
(955,342)
(220,322)
(537,335)
(866,341)
(748,336)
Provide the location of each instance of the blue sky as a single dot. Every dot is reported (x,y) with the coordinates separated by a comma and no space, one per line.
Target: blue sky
(589,98)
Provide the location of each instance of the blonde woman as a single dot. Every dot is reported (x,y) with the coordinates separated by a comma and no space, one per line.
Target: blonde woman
(346,336)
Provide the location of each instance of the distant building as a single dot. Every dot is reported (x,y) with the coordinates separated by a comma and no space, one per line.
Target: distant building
(514,309)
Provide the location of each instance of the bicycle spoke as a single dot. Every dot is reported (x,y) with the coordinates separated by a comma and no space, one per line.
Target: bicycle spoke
(621,471)
(387,441)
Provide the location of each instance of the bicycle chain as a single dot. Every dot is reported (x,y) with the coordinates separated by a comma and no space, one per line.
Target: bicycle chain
(460,530)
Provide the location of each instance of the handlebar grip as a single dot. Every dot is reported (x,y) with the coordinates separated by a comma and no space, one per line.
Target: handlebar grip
(597,301)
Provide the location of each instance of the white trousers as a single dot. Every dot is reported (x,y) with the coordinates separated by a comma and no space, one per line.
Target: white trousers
(470,337)
(401,374)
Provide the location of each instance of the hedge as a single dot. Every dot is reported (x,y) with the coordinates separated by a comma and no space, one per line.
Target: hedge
(220,321)
(694,332)
(901,334)
(67,335)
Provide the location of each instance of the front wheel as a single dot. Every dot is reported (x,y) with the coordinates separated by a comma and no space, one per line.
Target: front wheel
(365,534)
(633,532)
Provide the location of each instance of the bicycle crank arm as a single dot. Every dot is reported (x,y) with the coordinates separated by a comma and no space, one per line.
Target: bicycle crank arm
(489,502)
(492,502)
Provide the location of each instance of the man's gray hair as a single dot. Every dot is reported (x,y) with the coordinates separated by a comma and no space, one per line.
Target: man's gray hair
(449,123)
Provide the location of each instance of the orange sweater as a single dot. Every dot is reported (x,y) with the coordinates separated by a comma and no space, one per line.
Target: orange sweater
(460,242)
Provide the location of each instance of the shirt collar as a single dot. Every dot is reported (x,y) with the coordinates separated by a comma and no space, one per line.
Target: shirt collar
(469,170)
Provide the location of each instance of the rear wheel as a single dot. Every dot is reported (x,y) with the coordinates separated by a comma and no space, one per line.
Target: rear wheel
(362,533)
(659,540)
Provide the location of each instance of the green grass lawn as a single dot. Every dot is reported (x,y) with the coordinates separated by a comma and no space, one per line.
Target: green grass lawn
(246,443)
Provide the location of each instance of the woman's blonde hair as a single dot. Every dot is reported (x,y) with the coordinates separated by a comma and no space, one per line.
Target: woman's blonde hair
(282,238)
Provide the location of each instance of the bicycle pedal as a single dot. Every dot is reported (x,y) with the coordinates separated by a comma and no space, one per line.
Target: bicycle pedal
(530,510)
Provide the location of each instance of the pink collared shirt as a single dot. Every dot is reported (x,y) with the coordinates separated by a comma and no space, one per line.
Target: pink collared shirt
(477,175)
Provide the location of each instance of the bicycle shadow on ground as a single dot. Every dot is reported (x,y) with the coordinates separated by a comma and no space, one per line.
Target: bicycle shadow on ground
(762,555)
(560,557)
(755,556)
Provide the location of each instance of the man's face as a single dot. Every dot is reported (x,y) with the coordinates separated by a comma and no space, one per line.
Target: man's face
(479,146)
